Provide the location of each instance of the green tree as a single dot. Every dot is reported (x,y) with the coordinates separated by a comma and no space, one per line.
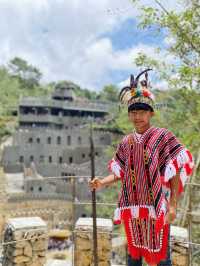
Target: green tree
(28,75)
(109,93)
(182,78)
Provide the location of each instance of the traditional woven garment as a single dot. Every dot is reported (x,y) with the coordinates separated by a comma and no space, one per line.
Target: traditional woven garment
(145,167)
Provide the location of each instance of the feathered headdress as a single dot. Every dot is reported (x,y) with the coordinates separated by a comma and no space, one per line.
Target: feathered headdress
(138,93)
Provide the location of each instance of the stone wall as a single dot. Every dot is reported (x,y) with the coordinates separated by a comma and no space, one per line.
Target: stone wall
(179,255)
(25,242)
(53,212)
(50,148)
(84,242)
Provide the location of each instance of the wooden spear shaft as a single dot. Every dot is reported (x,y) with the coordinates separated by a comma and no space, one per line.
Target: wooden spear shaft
(94,214)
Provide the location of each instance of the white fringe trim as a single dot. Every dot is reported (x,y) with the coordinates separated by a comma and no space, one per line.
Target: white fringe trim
(135,211)
(117,215)
(170,171)
(115,168)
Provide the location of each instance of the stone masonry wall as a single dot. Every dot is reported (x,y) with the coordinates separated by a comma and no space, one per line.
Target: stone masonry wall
(84,242)
(25,242)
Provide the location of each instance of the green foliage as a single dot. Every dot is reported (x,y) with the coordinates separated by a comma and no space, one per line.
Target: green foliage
(109,93)
(28,75)
(183,77)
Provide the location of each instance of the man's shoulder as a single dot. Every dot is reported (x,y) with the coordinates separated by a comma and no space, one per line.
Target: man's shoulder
(126,138)
(160,130)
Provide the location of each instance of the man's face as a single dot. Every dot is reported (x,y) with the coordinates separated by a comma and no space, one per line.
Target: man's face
(140,118)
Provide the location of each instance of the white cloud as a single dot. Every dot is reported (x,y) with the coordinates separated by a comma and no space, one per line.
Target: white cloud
(64,38)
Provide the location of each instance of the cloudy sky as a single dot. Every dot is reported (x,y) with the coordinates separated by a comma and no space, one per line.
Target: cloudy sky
(90,42)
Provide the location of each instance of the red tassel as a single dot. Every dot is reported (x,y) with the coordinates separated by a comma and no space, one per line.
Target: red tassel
(126,214)
(159,223)
(189,155)
(175,163)
(117,222)
(180,188)
(143,212)
(188,169)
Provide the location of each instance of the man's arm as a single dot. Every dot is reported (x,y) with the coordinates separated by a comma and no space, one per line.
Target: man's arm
(171,215)
(98,183)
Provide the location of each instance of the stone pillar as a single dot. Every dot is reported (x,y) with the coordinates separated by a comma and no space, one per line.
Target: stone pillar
(28,237)
(179,245)
(84,242)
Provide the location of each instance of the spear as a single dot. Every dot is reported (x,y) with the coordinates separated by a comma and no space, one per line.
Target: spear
(94,214)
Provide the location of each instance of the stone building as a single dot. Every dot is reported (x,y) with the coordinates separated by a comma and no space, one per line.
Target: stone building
(53,138)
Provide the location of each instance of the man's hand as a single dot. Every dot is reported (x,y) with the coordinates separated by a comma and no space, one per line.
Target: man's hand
(171,215)
(96,183)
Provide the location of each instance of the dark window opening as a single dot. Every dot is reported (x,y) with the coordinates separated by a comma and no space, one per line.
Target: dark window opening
(102,139)
(40,189)
(30,140)
(60,160)
(38,140)
(31,189)
(21,159)
(31,158)
(70,159)
(58,140)
(79,140)
(68,140)
(50,159)
(67,175)
(83,155)
(49,140)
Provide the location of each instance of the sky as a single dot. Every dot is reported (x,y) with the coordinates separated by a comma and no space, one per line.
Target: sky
(92,42)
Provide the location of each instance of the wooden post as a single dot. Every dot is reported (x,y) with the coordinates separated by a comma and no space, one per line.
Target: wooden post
(190,226)
(94,215)
(73,215)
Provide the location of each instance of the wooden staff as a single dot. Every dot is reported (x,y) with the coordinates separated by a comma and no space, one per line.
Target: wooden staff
(94,214)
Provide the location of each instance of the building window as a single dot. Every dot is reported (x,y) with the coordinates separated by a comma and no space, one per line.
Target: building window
(41,160)
(70,159)
(38,140)
(96,153)
(68,140)
(50,159)
(102,139)
(49,140)
(83,155)
(58,140)
(40,189)
(79,140)
(67,175)
(31,189)
(60,159)
(30,140)
(21,159)
(31,158)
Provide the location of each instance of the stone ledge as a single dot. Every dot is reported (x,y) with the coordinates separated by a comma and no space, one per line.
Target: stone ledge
(87,223)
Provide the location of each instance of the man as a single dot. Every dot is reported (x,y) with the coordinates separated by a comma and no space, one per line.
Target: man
(153,167)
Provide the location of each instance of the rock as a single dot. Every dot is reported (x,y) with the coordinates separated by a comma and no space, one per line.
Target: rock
(20,259)
(30,246)
(84,242)
(28,250)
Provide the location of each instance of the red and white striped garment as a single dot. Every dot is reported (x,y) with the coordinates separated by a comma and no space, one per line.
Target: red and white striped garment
(145,166)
